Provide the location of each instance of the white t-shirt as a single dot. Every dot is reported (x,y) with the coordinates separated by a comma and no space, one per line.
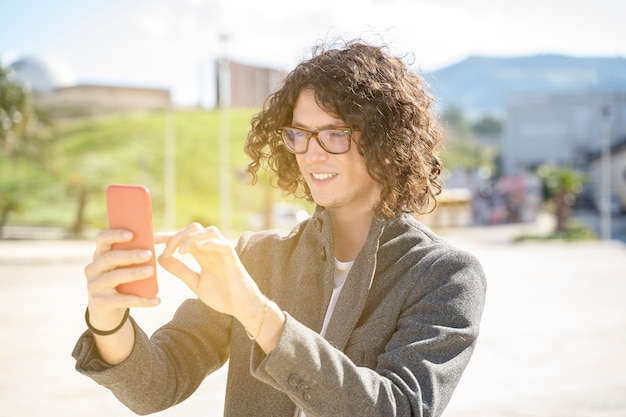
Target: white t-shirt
(341,273)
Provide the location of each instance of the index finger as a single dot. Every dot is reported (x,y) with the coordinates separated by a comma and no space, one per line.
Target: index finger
(162,237)
(174,240)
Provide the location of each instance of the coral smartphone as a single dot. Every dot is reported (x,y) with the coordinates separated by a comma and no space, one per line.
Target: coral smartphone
(129,207)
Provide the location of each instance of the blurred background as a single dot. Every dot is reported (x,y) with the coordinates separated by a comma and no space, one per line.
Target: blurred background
(160,92)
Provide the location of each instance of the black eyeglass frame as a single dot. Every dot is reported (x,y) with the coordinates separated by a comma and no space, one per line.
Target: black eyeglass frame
(314,134)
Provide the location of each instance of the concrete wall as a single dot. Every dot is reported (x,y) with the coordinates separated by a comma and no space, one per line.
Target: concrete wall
(101,98)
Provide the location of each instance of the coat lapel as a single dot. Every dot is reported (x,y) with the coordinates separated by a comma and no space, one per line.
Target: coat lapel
(355,291)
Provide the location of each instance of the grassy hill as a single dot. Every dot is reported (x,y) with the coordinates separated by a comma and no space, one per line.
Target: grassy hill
(91,153)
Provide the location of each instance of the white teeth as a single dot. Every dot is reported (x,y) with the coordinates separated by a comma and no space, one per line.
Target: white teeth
(322,176)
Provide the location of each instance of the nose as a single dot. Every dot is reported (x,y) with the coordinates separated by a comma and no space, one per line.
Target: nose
(315,151)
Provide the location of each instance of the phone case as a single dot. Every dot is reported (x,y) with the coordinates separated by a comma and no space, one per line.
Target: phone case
(129,207)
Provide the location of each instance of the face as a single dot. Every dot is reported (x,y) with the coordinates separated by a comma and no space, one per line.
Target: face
(340,183)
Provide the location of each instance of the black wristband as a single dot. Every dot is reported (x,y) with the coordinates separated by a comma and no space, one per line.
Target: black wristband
(108,332)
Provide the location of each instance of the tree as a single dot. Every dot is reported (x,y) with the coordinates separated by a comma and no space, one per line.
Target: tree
(456,125)
(462,150)
(23,150)
(487,126)
(15,112)
(562,184)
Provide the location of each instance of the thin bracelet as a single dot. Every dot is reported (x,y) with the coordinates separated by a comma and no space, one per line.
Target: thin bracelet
(108,332)
(258,332)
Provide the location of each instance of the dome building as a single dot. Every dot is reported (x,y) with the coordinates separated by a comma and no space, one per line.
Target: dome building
(54,89)
(42,75)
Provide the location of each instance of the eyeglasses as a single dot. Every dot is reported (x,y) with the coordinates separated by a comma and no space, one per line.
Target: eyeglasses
(336,140)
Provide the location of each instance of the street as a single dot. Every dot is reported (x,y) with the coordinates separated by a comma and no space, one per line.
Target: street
(552,343)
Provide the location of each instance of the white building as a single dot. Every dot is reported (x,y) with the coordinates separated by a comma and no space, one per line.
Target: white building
(616,176)
(559,128)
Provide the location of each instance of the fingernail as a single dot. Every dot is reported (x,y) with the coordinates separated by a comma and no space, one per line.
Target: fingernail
(127,235)
(146,270)
(146,254)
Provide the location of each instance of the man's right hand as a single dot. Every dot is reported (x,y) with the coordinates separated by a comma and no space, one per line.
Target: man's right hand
(106,305)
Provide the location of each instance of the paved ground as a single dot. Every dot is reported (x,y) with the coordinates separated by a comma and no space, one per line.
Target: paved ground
(552,344)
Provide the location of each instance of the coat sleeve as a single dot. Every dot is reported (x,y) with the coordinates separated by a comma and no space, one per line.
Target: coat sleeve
(168,367)
(419,368)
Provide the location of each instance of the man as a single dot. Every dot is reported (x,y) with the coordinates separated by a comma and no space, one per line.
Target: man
(360,310)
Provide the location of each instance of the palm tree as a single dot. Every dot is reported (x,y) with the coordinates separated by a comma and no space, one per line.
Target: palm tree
(562,185)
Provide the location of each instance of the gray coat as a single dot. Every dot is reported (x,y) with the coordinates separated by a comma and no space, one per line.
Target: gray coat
(402,332)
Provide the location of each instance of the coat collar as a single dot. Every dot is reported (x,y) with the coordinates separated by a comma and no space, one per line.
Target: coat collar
(356,289)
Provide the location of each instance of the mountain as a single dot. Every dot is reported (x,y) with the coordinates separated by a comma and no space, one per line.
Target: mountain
(479,85)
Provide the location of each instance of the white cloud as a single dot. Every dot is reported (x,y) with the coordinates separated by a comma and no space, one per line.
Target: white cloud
(154,21)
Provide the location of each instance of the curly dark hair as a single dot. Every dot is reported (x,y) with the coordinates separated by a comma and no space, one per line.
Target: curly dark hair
(375,93)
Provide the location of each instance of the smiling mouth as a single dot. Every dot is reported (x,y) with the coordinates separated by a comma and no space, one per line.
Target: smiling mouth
(323,176)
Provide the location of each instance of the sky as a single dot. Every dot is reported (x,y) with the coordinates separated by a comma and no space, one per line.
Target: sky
(173,43)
